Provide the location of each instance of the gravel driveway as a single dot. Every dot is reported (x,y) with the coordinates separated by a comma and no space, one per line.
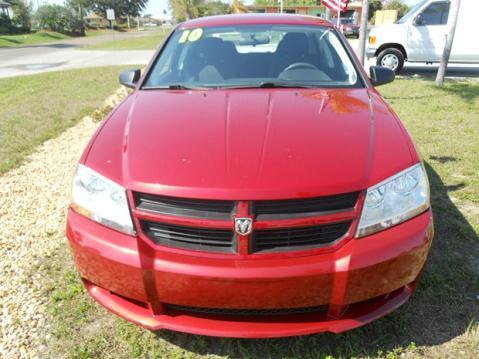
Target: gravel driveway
(33,203)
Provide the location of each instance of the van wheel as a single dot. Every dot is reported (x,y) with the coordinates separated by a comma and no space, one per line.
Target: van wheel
(391,58)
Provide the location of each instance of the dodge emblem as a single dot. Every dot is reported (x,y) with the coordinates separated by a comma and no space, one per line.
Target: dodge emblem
(243,226)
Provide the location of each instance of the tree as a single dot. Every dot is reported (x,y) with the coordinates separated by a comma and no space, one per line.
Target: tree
(397,5)
(122,8)
(185,9)
(237,7)
(374,5)
(21,20)
(79,7)
(57,18)
(213,8)
(452,22)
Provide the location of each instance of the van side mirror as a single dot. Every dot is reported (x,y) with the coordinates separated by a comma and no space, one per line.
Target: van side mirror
(381,75)
(129,78)
(419,21)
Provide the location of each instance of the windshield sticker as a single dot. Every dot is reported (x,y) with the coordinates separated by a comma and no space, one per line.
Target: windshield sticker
(184,36)
(195,35)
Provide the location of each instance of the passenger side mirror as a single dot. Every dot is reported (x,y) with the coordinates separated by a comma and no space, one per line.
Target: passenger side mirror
(381,75)
(129,78)
(419,21)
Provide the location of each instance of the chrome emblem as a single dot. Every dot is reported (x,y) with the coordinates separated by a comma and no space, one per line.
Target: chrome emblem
(243,226)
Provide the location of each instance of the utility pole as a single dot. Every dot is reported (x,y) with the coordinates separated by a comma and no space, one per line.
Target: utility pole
(452,22)
(363,31)
(328,14)
(281,6)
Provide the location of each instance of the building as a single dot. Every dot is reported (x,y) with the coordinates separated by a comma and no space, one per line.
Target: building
(5,9)
(317,10)
(354,10)
(95,21)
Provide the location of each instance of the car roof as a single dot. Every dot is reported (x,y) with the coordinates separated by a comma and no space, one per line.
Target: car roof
(254,19)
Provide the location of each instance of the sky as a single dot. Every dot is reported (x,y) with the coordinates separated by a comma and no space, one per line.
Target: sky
(156,7)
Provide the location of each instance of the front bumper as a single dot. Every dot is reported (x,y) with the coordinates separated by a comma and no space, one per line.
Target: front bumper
(371,52)
(360,282)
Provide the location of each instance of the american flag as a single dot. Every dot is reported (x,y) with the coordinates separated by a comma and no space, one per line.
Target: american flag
(334,4)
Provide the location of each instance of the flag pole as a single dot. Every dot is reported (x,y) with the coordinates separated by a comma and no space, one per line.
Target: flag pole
(339,14)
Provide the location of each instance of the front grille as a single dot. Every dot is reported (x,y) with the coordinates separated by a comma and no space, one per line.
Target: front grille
(276,240)
(213,209)
(213,240)
(247,312)
(306,206)
(196,237)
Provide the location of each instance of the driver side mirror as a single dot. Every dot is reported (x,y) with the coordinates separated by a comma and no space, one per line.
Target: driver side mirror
(419,21)
(129,78)
(381,75)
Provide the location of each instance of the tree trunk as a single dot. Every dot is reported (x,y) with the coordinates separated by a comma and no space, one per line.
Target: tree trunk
(128,20)
(452,22)
(82,23)
(363,31)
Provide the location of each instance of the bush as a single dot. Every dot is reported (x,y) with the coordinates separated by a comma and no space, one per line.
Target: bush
(397,5)
(58,18)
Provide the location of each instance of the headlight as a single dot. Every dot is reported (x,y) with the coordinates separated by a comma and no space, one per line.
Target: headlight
(394,200)
(101,200)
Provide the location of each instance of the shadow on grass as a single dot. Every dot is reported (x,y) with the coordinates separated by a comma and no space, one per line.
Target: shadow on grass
(468,91)
(13,41)
(443,307)
(430,71)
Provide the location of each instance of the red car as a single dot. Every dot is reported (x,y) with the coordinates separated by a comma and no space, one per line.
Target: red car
(253,184)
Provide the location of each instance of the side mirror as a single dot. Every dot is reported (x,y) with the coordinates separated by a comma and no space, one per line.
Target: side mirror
(381,75)
(418,21)
(130,78)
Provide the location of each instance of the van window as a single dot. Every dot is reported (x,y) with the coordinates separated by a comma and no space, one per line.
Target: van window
(435,14)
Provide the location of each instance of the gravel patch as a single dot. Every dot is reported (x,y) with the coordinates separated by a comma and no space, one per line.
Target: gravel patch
(33,203)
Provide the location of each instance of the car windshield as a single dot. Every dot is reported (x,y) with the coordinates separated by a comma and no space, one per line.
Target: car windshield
(411,12)
(253,56)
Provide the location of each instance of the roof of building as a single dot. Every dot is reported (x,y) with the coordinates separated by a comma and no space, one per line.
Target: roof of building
(93,16)
(254,19)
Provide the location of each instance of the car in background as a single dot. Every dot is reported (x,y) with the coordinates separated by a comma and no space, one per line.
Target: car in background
(259,188)
(420,36)
(348,27)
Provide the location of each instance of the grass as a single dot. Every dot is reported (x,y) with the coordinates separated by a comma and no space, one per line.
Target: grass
(33,38)
(150,41)
(36,108)
(442,318)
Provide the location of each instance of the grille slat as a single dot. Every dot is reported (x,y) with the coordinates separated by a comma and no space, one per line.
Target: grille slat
(304,206)
(277,240)
(215,240)
(248,311)
(199,208)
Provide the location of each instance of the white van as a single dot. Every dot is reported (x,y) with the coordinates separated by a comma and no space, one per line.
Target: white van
(420,35)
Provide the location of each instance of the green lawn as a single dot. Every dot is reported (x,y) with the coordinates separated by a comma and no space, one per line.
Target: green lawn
(150,41)
(442,318)
(38,107)
(33,38)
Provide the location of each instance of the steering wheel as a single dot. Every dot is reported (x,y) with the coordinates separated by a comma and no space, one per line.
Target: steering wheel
(300,65)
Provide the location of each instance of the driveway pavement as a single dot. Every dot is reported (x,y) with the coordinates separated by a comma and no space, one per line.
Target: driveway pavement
(66,54)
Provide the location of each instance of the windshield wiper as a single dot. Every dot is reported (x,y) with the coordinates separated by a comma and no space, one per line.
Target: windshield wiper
(173,87)
(270,85)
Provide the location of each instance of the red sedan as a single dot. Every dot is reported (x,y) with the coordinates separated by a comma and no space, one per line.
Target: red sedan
(253,184)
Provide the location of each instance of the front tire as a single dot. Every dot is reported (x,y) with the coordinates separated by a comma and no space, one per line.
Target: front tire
(392,59)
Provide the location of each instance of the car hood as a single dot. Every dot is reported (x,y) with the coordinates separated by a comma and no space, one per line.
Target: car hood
(250,143)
